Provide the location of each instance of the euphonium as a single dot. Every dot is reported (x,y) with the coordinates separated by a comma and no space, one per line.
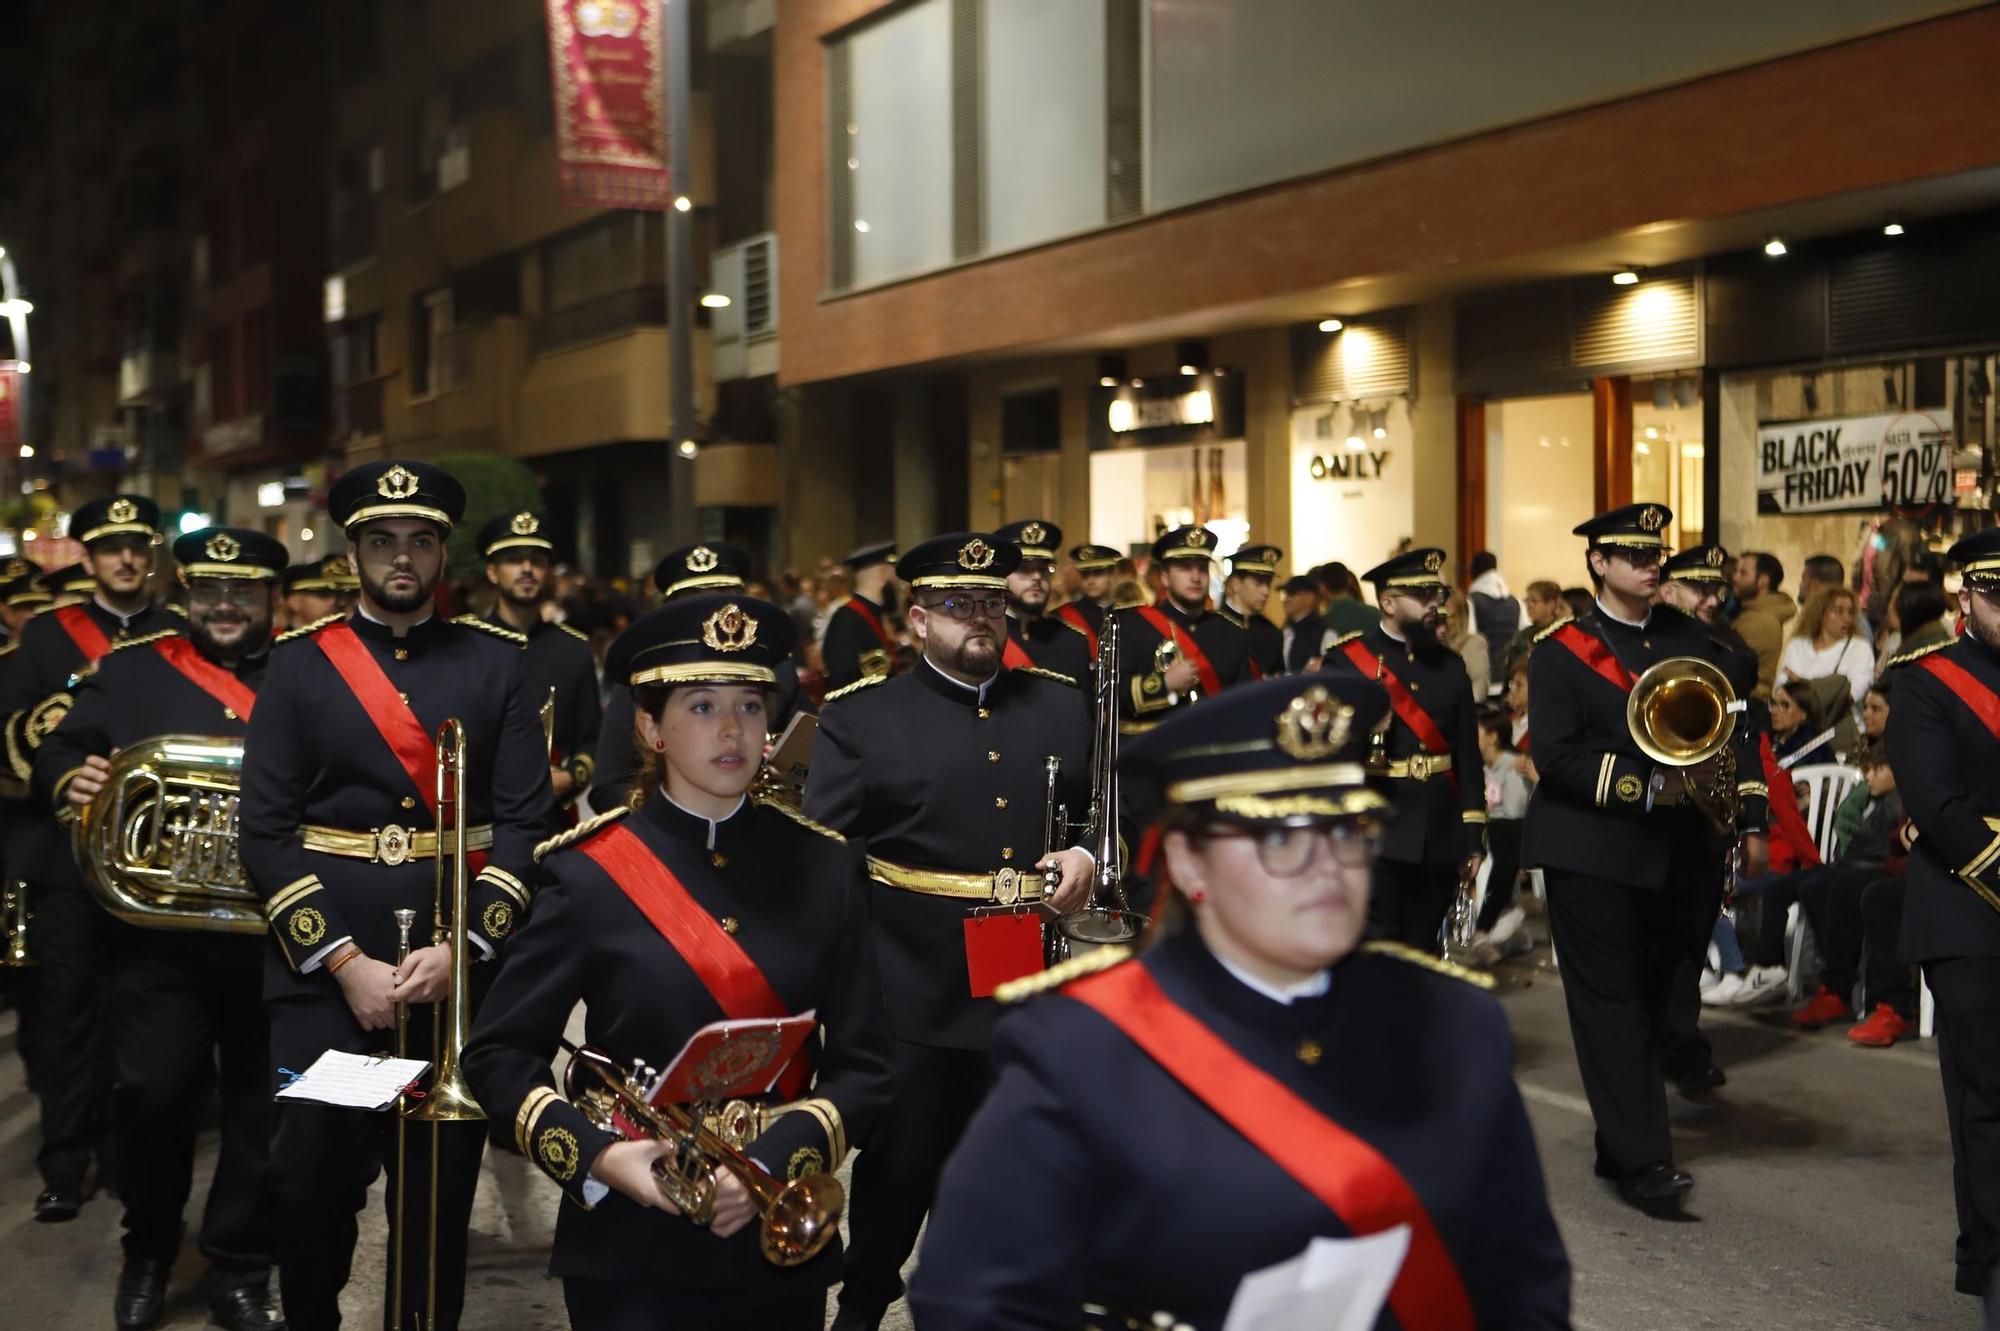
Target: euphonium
(799,1218)
(1682,714)
(1104,920)
(158,846)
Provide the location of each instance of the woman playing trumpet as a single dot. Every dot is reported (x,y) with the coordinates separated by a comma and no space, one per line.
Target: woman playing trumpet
(658,919)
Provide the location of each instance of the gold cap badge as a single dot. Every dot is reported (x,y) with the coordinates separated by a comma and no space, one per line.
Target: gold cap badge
(399,482)
(729,629)
(1198,538)
(1714,556)
(975,556)
(122,510)
(222,547)
(701,559)
(1034,534)
(1651,518)
(1433,561)
(524,524)
(1314,725)
(336,566)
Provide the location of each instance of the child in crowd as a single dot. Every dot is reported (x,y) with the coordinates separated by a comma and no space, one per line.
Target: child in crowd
(1500,933)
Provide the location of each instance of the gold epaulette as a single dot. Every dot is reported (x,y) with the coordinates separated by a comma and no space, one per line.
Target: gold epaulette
(1403,952)
(1056,675)
(580,831)
(857,686)
(1056,976)
(173,609)
(475,622)
(578,634)
(1071,627)
(1916,653)
(1228,616)
(1346,638)
(1553,627)
(144,638)
(779,806)
(303,629)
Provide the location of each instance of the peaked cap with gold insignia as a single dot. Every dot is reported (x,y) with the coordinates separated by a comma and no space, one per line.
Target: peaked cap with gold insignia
(713,638)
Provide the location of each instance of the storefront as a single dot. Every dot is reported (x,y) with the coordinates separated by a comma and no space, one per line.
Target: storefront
(1168,451)
(1353,442)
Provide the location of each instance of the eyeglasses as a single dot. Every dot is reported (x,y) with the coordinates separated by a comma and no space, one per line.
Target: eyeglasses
(965,607)
(1637,558)
(1423,596)
(240,594)
(1285,852)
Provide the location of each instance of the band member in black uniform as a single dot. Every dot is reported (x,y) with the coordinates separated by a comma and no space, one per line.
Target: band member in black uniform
(1430,751)
(692,570)
(1306,637)
(656,919)
(1208,653)
(1634,867)
(1035,637)
(338,832)
(20,596)
(518,553)
(1096,573)
(1944,744)
(857,643)
(941,775)
(186,1007)
(318,588)
(71,932)
(1245,593)
(1286,1069)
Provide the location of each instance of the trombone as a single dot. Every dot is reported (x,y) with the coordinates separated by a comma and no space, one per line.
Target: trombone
(450,1098)
(1105,919)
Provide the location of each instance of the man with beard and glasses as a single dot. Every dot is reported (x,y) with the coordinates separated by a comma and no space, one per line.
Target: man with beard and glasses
(559,664)
(1035,637)
(858,643)
(1634,865)
(941,775)
(1944,745)
(1096,575)
(71,936)
(1245,593)
(187,1009)
(1205,653)
(1430,750)
(339,830)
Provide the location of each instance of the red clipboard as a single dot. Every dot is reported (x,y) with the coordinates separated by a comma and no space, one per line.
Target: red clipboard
(732,1060)
(1000,946)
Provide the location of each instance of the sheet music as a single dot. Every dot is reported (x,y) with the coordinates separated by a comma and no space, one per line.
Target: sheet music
(354,1081)
(1334,1285)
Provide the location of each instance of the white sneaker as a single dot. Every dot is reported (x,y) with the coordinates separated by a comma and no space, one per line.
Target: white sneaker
(1508,924)
(1723,992)
(1763,984)
(1710,977)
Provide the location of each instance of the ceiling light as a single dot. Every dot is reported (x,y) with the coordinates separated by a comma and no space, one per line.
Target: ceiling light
(1624,277)
(1191,354)
(1652,432)
(1110,369)
(861,225)
(305,533)
(688,448)
(1329,325)
(1775,247)
(1893,227)
(1190,369)
(1643,449)
(715,300)
(22,366)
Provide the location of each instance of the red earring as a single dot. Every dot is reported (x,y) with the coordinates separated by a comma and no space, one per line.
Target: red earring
(1197,896)
(660,745)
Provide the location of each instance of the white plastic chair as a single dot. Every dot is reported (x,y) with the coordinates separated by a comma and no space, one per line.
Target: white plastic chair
(1826,785)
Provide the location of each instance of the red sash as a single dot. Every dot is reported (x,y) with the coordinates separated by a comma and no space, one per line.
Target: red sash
(867,612)
(1073,617)
(1210,681)
(1015,657)
(1970,691)
(394,721)
(1782,802)
(1590,649)
(83,631)
(205,675)
(1400,699)
(723,967)
(1354,1180)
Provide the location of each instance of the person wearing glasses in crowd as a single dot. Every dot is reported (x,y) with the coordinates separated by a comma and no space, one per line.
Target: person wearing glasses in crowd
(941,775)
(1298,1082)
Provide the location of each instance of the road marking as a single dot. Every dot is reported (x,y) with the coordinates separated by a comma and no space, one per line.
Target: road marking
(1542,1095)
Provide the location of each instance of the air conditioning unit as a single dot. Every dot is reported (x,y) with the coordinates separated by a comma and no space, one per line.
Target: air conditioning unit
(746,329)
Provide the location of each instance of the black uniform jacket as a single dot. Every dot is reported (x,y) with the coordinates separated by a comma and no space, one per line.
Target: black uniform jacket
(1589,811)
(1441,818)
(1308,637)
(1142,692)
(1092,612)
(1054,645)
(796,896)
(558,658)
(925,775)
(1947,766)
(1267,640)
(37,694)
(617,759)
(850,648)
(1054,1199)
(313,756)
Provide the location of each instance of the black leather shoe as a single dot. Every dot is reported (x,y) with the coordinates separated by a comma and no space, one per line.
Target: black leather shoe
(142,1293)
(248,1308)
(1656,1189)
(58,1202)
(851,1321)
(1701,1083)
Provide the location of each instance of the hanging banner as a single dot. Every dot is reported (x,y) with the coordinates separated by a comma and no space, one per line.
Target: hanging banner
(10,406)
(1861,462)
(605,65)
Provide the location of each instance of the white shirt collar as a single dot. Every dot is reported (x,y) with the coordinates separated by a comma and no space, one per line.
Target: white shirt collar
(712,822)
(1389,629)
(1311,987)
(1613,615)
(979,689)
(362,610)
(124,620)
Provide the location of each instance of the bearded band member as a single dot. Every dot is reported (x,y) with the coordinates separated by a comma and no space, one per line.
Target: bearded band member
(185,1006)
(1205,653)
(1430,750)
(1295,1082)
(941,775)
(1035,637)
(661,919)
(339,778)
(101,604)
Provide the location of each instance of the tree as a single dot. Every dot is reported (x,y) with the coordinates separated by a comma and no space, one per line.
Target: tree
(493,485)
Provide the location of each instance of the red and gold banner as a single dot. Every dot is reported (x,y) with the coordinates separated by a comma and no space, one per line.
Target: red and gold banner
(605,65)
(10,406)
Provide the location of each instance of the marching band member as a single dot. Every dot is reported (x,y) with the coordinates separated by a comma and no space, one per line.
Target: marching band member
(186,1008)
(857,643)
(703,903)
(1245,593)
(1297,1083)
(338,833)
(1208,654)
(1035,637)
(1096,571)
(318,588)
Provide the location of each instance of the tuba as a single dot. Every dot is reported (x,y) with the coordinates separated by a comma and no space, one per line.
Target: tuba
(158,846)
(1105,920)
(1682,713)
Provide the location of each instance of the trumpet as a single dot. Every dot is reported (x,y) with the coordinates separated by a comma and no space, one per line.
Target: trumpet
(1165,656)
(14,917)
(799,1218)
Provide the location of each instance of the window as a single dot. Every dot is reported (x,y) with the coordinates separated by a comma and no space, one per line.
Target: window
(355,349)
(430,325)
(616,253)
(1043,92)
(898,143)
(257,360)
(222,373)
(442,157)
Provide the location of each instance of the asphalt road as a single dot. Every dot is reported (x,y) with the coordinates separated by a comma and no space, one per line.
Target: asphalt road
(1823,1201)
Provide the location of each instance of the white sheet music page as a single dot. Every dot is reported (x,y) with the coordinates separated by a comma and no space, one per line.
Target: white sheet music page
(354,1081)
(1334,1285)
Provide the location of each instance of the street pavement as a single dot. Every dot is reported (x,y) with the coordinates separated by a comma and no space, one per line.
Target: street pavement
(1823,1200)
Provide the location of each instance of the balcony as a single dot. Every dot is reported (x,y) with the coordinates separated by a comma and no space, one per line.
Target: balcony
(148,376)
(619,313)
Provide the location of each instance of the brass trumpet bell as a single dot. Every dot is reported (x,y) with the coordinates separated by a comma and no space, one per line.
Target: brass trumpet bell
(1682,711)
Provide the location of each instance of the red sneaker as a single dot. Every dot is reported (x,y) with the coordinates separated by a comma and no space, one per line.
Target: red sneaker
(1883,1028)
(1823,1009)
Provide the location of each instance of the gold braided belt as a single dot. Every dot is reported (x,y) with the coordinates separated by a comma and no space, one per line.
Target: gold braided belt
(1420,766)
(1004,887)
(389,845)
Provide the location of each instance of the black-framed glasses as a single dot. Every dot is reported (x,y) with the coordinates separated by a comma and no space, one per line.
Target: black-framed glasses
(240,594)
(1424,596)
(965,607)
(1636,556)
(1286,852)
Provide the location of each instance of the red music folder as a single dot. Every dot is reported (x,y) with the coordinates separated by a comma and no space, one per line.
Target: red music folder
(730,1060)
